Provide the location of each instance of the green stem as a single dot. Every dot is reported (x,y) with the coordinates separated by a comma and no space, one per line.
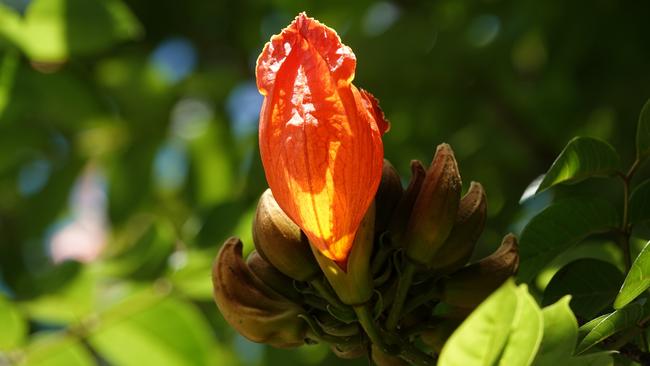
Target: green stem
(403,285)
(365,318)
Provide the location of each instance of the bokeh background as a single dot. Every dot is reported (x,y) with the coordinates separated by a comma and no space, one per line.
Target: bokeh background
(128,147)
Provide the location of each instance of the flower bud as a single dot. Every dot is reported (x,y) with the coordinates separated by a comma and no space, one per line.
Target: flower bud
(435,209)
(353,282)
(280,241)
(471,285)
(271,277)
(470,221)
(402,213)
(388,195)
(256,312)
(380,358)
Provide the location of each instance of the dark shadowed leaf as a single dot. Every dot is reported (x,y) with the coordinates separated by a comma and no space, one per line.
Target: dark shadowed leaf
(643,132)
(583,157)
(637,280)
(592,284)
(558,227)
(640,203)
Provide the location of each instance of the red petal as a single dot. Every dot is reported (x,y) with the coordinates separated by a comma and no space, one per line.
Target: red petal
(320,143)
(372,104)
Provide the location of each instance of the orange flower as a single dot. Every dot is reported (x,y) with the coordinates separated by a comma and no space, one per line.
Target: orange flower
(320,136)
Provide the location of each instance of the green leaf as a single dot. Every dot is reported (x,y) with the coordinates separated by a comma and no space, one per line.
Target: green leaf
(8,70)
(583,157)
(640,203)
(480,339)
(167,332)
(56,349)
(560,226)
(560,334)
(13,328)
(637,280)
(191,271)
(592,284)
(611,324)
(526,333)
(54,30)
(643,132)
(592,359)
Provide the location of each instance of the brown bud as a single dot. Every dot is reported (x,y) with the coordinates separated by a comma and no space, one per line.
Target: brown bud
(280,241)
(380,358)
(471,285)
(271,277)
(402,212)
(470,221)
(255,311)
(388,195)
(435,209)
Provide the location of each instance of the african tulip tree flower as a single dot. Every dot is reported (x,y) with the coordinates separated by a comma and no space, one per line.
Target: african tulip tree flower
(320,136)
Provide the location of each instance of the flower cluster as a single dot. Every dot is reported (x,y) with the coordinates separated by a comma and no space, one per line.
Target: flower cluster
(344,254)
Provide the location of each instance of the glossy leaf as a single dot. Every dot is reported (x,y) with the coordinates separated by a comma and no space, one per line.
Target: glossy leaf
(592,284)
(611,324)
(637,280)
(560,334)
(643,132)
(506,329)
(583,157)
(560,226)
(639,209)
(592,359)
(169,332)
(13,328)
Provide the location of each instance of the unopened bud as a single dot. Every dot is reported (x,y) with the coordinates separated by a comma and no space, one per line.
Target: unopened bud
(402,213)
(471,285)
(388,195)
(353,285)
(435,209)
(271,277)
(280,241)
(470,221)
(256,312)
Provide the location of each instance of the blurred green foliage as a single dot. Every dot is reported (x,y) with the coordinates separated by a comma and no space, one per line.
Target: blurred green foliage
(128,147)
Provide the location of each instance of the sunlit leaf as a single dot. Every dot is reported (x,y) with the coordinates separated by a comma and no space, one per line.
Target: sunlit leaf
(57,349)
(583,157)
(643,132)
(560,334)
(637,280)
(13,327)
(54,30)
(639,209)
(611,324)
(481,338)
(560,226)
(592,284)
(66,304)
(526,332)
(169,332)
